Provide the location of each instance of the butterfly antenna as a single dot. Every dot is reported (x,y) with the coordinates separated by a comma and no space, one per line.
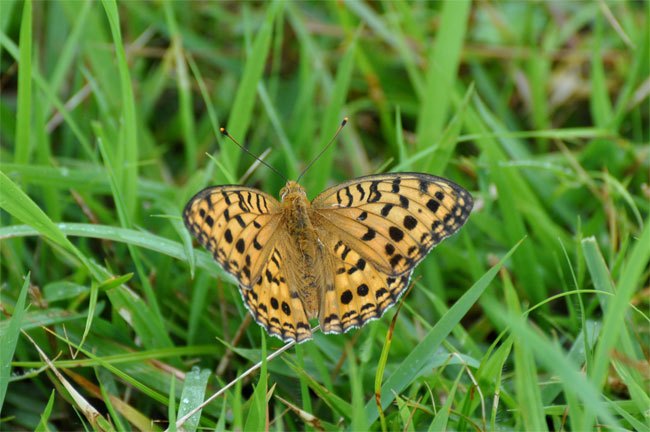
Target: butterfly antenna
(345,120)
(225,132)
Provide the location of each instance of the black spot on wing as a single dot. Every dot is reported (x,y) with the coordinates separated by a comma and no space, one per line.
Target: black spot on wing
(374,195)
(256,244)
(362,192)
(433,205)
(396,233)
(362,290)
(369,235)
(410,222)
(385,211)
(240,246)
(395,186)
(349,196)
(226,198)
(240,221)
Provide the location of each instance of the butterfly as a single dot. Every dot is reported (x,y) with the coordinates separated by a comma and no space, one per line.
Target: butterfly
(343,258)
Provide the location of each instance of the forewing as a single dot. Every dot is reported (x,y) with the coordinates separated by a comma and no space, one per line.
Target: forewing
(393,220)
(238,225)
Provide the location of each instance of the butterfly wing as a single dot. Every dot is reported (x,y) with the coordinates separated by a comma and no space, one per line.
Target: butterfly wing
(237,225)
(243,229)
(378,228)
(274,304)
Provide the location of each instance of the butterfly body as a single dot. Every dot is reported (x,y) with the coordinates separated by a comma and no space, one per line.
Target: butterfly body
(344,258)
(304,247)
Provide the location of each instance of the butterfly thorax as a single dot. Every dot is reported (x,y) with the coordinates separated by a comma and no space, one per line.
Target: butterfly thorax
(307,246)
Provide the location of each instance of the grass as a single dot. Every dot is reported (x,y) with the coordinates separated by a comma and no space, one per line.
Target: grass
(535,316)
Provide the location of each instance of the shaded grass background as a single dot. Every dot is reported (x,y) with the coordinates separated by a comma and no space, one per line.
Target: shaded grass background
(540,110)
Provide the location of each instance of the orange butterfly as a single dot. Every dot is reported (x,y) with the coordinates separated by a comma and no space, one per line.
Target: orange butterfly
(344,258)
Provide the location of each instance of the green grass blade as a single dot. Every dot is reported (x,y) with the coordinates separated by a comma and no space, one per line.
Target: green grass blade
(193,394)
(106,397)
(440,421)
(9,340)
(601,106)
(526,380)
(256,419)
(358,417)
(132,237)
(442,69)
(241,110)
(24,102)
(127,159)
(171,406)
(45,416)
(332,119)
(184,90)
(616,310)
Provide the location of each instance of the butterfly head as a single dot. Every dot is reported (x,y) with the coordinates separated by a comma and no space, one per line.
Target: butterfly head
(292,191)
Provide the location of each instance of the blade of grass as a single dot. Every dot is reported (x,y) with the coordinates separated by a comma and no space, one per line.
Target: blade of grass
(184,91)
(42,425)
(637,70)
(617,308)
(601,106)
(442,67)
(9,340)
(526,382)
(171,404)
(440,420)
(332,118)
(242,108)
(304,386)
(127,151)
(356,388)
(24,101)
(106,397)
(257,415)
(128,236)
(194,387)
